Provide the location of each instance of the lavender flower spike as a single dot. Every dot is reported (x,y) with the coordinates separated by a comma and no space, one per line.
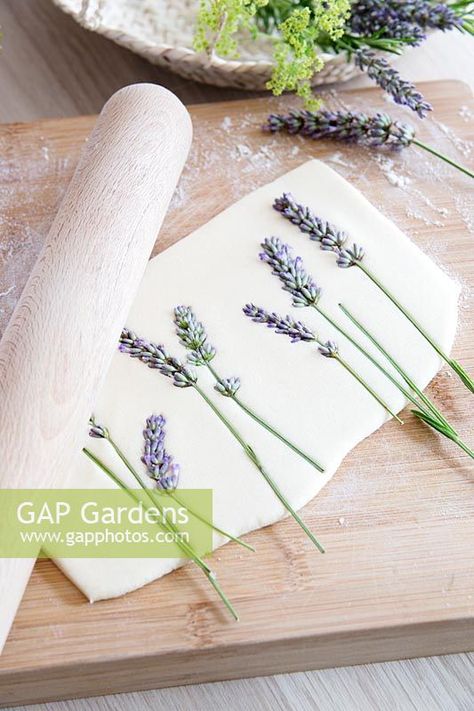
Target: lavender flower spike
(376,130)
(160,465)
(329,349)
(291,272)
(286,325)
(329,236)
(227,386)
(193,335)
(401,91)
(348,126)
(350,257)
(318,230)
(155,356)
(393,16)
(97,431)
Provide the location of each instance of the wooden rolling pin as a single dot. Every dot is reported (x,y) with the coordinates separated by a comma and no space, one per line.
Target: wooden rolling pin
(58,345)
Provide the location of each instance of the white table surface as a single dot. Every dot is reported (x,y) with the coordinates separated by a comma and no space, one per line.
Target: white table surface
(51,67)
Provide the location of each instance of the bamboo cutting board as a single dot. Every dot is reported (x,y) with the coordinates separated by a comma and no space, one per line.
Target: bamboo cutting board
(398,578)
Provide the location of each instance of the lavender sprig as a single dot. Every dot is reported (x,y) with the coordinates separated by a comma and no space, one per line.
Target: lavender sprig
(160,465)
(156,357)
(376,130)
(378,17)
(98,431)
(403,19)
(369,16)
(311,224)
(193,336)
(165,471)
(286,325)
(272,247)
(349,126)
(290,270)
(402,92)
(329,349)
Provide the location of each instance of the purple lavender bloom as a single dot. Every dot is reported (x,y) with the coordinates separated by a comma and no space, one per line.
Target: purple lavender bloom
(155,356)
(319,230)
(291,272)
(97,431)
(402,91)
(385,19)
(330,238)
(392,18)
(193,336)
(285,325)
(350,257)
(227,386)
(160,465)
(329,349)
(348,126)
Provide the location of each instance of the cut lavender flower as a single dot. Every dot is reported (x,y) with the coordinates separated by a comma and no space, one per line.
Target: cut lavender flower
(375,130)
(100,432)
(329,349)
(402,91)
(316,228)
(193,336)
(165,471)
(285,325)
(370,16)
(228,386)
(279,255)
(290,270)
(156,357)
(403,18)
(160,465)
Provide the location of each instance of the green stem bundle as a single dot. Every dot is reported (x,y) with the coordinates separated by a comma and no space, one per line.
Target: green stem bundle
(456,367)
(167,526)
(426,410)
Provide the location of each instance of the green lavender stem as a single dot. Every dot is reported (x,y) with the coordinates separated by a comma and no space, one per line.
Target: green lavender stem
(446,431)
(166,526)
(431,416)
(444,157)
(255,460)
(366,386)
(457,367)
(215,528)
(137,477)
(360,348)
(411,384)
(268,427)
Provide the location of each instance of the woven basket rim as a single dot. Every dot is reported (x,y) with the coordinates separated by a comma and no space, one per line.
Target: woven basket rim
(212,60)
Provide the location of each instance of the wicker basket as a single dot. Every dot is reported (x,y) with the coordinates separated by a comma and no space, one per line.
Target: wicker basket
(161,31)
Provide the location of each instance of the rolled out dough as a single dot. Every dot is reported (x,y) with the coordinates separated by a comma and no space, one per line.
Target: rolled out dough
(310,398)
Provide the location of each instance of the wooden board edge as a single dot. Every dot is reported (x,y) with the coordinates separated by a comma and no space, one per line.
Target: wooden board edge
(117,676)
(59,123)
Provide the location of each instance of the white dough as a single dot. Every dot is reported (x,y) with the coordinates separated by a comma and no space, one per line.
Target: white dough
(311,399)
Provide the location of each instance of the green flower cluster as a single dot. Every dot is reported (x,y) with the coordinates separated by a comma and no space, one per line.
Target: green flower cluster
(296,57)
(218,22)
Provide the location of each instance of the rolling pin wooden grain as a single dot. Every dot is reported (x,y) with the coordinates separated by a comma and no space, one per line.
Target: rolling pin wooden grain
(57,347)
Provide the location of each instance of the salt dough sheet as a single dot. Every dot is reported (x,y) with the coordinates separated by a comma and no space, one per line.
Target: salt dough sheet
(310,398)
